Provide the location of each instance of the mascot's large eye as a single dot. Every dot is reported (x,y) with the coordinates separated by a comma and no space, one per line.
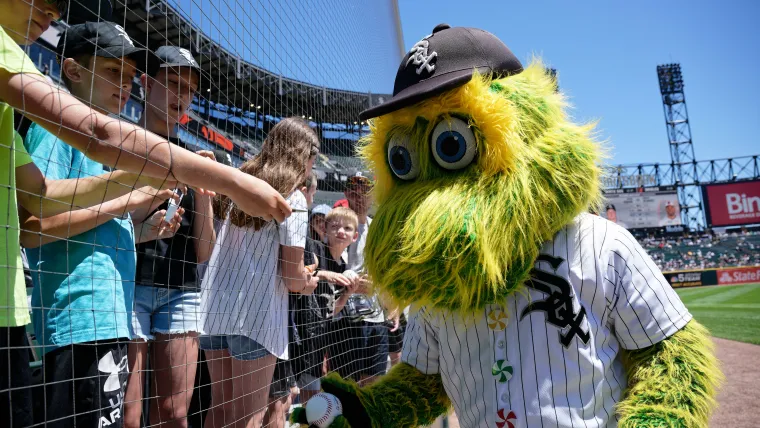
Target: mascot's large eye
(453,144)
(402,158)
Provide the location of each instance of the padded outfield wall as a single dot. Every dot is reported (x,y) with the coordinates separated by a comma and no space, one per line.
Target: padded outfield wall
(720,276)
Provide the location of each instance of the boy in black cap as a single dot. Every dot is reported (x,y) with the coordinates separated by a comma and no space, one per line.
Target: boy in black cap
(85,350)
(167,291)
(110,141)
(22,22)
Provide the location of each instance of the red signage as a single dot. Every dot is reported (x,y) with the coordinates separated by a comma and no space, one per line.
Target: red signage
(208,133)
(732,204)
(742,275)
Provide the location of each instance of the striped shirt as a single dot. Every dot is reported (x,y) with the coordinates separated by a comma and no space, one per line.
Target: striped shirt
(548,355)
(242,292)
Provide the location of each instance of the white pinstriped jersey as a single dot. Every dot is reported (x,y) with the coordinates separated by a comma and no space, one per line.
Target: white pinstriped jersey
(548,356)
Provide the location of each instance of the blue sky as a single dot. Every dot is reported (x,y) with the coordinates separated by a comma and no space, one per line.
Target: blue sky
(345,44)
(606,53)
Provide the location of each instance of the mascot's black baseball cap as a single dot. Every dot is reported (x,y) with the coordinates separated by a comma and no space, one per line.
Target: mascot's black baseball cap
(445,60)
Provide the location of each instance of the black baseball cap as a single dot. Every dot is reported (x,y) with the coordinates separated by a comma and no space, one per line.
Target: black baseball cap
(107,40)
(174,56)
(444,60)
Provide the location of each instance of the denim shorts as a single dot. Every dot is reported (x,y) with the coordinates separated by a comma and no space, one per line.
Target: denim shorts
(240,347)
(164,310)
(308,382)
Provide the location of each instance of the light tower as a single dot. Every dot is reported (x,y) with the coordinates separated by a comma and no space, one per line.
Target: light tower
(681,147)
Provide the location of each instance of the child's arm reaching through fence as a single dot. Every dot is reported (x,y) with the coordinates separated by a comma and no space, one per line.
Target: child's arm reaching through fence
(36,232)
(128,147)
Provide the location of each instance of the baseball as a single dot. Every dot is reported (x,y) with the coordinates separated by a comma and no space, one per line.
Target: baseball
(322,409)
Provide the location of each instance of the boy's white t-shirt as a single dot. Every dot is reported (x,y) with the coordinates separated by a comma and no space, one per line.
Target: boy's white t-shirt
(355,262)
(241,291)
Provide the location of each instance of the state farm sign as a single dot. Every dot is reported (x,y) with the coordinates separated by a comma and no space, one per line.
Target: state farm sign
(744,275)
(732,204)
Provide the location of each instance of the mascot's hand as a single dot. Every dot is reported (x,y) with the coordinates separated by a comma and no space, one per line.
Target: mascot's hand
(347,391)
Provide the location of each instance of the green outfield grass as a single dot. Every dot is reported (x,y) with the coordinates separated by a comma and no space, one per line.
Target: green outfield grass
(730,312)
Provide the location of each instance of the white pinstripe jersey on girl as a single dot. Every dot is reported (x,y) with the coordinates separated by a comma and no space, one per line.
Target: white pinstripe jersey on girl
(548,356)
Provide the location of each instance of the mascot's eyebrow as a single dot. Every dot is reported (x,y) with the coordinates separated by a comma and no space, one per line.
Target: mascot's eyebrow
(420,125)
(421,122)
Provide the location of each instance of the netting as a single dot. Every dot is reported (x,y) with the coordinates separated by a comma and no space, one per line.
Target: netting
(146,279)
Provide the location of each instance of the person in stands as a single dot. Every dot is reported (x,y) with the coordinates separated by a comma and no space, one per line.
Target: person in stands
(285,383)
(23,87)
(244,297)
(82,302)
(361,322)
(167,291)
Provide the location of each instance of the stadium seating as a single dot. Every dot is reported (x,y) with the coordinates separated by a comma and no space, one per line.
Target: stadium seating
(704,251)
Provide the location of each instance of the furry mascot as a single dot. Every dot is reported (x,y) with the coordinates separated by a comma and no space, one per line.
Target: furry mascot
(526,310)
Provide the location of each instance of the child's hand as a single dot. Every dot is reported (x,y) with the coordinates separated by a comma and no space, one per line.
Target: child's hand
(336,278)
(258,199)
(149,198)
(394,320)
(155,227)
(311,285)
(363,285)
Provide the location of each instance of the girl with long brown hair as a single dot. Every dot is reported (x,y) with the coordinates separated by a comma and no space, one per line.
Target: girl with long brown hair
(244,304)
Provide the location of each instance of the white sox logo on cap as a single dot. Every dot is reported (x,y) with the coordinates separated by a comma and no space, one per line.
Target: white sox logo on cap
(419,56)
(123,34)
(187,55)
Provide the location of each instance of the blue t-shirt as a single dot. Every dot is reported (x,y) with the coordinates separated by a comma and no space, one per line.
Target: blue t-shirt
(83,286)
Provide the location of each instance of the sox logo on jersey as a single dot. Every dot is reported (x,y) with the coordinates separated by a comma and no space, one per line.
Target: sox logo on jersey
(548,355)
(559,304)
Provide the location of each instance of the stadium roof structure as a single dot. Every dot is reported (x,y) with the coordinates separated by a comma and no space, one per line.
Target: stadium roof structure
(254,89)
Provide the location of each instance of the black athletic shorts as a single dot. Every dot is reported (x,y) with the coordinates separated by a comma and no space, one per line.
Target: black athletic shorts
(358,348)
(16,406)
(85,384)
(282,379)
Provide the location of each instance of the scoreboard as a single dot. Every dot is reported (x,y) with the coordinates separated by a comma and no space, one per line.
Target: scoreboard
(642,207)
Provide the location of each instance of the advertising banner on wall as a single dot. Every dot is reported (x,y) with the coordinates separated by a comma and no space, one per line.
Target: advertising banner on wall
(740,275)
(696,278)
(732,204)
(643,207)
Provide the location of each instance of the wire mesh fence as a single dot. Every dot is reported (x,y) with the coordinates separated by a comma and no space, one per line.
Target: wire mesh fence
(184,213)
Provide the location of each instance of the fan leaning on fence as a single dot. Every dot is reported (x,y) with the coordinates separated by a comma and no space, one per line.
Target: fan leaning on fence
(255,263)
(106,140)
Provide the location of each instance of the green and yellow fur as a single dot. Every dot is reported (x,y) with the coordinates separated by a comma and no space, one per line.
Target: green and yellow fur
(673,383)
(459,240)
